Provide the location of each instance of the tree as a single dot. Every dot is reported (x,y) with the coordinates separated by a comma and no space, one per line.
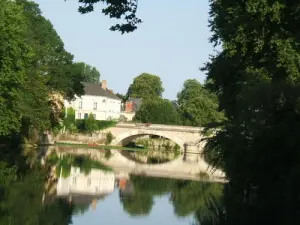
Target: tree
(157,110)
(51,59)
(89,73)
(198,106)
(145,86)
(15,55)
(122,97)
(256,77)
(35,67)
(125,9)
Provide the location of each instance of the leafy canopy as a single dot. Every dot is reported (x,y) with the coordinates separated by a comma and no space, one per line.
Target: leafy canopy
(89,73)
(197,105)
(145,86)
(15,56)
(157,111)
(256,77)
(117,9)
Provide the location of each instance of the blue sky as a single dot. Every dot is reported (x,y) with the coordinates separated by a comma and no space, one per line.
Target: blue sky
(172,42)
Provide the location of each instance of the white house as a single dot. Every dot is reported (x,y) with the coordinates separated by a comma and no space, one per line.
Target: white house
(97,182)
(97,100)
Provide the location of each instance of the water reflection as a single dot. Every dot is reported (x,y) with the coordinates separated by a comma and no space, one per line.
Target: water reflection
(75,189)
(137,193)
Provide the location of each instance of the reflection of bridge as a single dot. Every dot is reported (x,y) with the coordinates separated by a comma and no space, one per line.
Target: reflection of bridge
(177,168)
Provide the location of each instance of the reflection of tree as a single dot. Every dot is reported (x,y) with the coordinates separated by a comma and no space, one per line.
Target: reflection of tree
(153,185)
(22,200)
(21,203)
(58,212)
(145,188)
(188,197)
(191,196)
(139,204)
(80,209)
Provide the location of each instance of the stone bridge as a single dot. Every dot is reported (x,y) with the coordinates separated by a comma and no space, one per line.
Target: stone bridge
(190,139)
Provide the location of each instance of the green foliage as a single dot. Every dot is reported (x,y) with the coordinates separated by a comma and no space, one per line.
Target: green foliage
(90,124)
(69,120)
(21,203)
(64,164)
(52,159)
(157,111)
(101,124)
(109,138)
(52,61)
(256,77)
(69,117)
(122,97)
(89,73)
(120,9)
(145,86)
(15,56)
(188,197)
(33,66)
(197,105)
(7,174)
(104,124)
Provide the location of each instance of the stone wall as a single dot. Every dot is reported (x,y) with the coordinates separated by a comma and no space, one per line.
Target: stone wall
(81,138)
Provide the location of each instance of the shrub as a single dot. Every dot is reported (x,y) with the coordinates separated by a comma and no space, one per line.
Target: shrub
(90,124)
(70,118)
(109,138)
(101,124)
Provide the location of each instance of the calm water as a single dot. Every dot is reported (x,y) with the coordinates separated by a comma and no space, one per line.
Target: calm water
(112,211)
(102,196)
(81,191)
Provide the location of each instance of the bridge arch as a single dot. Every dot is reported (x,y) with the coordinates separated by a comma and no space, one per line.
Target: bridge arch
(132,134)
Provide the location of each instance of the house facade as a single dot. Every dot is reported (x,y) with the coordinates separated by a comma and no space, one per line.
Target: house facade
(132,104)
(97,100)
(130,107)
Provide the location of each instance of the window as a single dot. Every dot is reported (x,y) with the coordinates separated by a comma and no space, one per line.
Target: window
(79,116)
(95,105)
(86,116)
(80,105)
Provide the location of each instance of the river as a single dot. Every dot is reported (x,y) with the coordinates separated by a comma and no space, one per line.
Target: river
(81,191)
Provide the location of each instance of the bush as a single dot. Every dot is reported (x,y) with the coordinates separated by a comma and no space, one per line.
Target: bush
(109,138)
(101,124)
(70,118)
(90,124)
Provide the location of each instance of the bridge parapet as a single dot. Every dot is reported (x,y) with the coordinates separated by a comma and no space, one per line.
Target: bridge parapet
(160,127)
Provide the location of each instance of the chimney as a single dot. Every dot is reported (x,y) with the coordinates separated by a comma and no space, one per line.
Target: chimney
(104,84)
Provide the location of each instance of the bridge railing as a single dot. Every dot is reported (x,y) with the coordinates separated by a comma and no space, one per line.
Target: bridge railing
(159,127)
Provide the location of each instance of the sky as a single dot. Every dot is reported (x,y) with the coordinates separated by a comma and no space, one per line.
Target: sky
(172,42)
